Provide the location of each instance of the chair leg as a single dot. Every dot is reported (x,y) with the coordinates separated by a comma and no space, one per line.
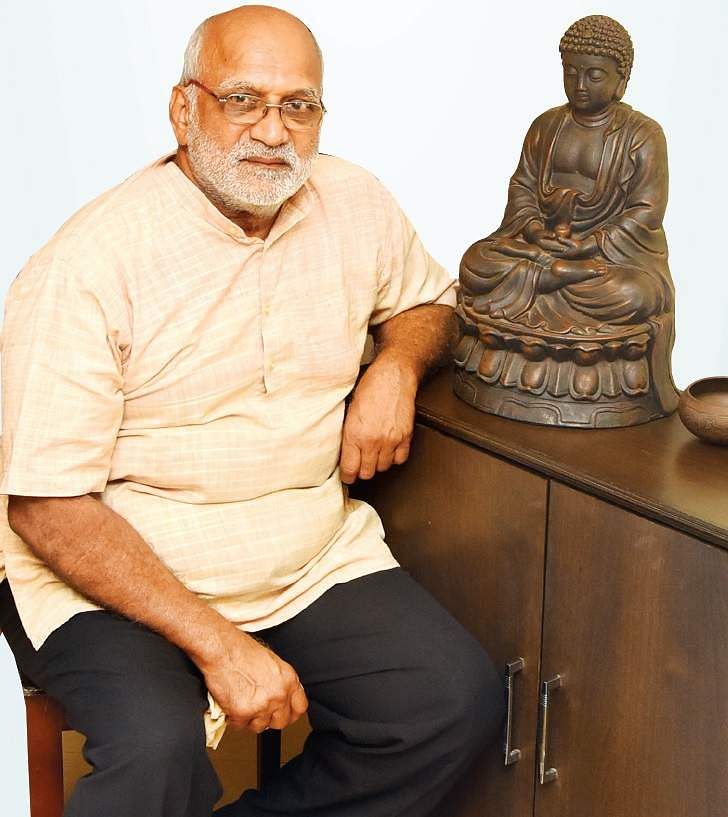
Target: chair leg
(45,756)
(269,755)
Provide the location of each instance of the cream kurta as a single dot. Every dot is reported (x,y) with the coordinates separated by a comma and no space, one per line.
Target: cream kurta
(195,378)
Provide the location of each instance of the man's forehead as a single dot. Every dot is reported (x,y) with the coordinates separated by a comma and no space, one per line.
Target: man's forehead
(266,86)
(272,56)
(268,77)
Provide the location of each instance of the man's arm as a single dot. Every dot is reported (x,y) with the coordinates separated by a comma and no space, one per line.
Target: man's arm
(380,420)
(96,551)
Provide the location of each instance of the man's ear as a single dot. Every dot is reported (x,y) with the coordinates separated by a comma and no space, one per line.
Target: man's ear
(179,114)
(621,88)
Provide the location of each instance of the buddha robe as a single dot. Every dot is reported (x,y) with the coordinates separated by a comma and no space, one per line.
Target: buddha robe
(623,212)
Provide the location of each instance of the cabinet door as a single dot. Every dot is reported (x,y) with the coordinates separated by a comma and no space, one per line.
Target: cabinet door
(636,622)
(471,529)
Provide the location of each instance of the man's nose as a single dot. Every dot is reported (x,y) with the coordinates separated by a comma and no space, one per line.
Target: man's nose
(581,81)
(270,129)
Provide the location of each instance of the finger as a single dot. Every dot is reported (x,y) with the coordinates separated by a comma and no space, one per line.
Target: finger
(281,718)
(237,723)
(349,462)
(299,701)
(369,458)
(258,724)
(401,452)
(385,458)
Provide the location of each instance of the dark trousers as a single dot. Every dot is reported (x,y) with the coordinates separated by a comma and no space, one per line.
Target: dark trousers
(401,700)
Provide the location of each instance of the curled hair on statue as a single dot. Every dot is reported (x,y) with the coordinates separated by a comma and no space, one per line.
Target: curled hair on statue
(603,37)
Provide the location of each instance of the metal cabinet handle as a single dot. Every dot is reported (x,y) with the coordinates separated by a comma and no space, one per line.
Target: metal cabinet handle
(510,755)
(546,775)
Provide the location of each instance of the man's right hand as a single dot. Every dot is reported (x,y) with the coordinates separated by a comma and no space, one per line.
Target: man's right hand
(84,541)
(255,688)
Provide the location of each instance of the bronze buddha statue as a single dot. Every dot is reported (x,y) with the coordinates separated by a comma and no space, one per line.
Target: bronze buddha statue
(568,307)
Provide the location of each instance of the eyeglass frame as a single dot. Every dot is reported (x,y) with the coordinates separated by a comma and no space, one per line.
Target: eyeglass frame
(223,99)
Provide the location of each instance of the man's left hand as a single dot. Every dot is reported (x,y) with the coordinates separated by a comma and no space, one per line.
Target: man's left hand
(380,420)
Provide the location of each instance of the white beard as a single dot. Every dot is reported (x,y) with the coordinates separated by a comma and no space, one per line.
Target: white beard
(242,186)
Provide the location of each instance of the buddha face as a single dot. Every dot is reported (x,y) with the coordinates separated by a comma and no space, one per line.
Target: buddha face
(591,82)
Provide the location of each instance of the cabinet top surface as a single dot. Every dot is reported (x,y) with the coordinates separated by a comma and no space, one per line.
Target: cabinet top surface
(659,469)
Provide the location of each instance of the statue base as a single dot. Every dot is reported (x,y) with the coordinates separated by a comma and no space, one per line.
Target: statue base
(529,408)
(574,380)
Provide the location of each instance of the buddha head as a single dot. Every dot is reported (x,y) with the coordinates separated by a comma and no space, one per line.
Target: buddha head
(597,56)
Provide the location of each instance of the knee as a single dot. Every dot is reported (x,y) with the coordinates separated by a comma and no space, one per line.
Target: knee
(641,294)
(469,700)
(170,742)
(473,269)
(638,301)
(475,700)
(473,256)
(153,763)
(157,742)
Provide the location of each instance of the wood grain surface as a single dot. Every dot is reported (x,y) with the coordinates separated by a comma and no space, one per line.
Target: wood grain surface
(659,470)
(471,529)
(636,622)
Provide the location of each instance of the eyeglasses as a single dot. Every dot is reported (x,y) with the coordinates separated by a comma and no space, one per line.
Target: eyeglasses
(247,109)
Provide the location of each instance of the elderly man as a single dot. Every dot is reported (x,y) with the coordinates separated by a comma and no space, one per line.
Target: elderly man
(175,364)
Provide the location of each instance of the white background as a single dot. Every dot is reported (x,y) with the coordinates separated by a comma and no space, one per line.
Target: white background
(433,97)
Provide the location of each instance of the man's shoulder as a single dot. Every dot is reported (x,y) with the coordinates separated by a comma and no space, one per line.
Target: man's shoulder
(105,220)
(89,244)
(333,176)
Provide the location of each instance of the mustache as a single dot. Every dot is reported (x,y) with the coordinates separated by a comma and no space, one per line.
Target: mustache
(250,150)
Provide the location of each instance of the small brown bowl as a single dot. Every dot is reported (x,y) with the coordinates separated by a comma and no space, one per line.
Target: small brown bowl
(703,408)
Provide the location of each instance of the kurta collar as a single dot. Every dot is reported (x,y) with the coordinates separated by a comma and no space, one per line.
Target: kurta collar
(194,200)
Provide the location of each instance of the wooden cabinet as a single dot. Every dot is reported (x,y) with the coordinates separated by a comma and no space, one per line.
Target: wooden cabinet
(636,623)
(600,557)
(471,529)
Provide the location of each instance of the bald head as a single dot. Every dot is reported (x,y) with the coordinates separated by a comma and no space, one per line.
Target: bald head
(220,42)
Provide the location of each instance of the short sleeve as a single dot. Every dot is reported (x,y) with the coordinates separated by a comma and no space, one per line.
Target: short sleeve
(408,275)
(62,384)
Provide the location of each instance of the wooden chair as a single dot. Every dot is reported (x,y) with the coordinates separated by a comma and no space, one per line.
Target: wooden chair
(45,725)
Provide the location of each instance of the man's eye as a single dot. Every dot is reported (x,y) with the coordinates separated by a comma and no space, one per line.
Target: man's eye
(243,102)
(570,72)
(299,106)
(596,75)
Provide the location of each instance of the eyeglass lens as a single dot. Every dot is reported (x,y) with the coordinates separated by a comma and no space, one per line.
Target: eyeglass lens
(296,114)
